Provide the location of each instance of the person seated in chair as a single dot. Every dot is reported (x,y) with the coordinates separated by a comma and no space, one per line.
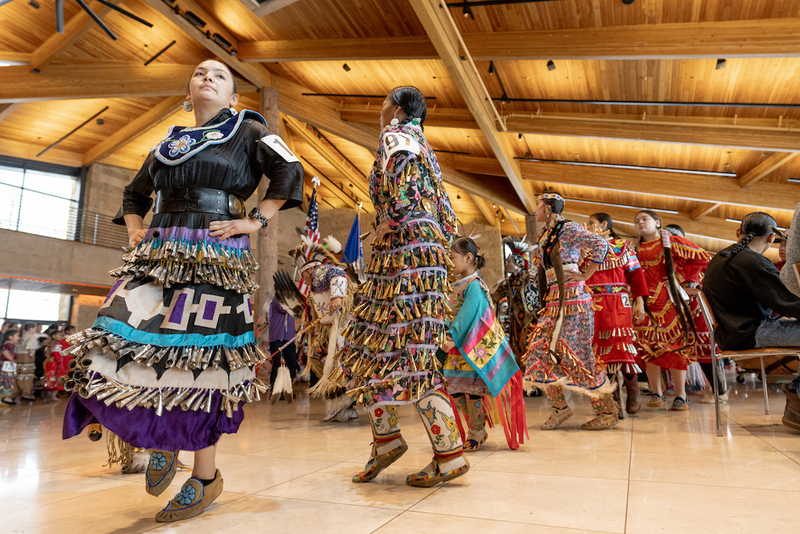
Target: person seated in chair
(743,288)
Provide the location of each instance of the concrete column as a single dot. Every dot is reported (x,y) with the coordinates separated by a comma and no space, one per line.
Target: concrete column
(267,242)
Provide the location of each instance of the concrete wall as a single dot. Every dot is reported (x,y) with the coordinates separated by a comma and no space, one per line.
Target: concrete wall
(47,258)
(104,185)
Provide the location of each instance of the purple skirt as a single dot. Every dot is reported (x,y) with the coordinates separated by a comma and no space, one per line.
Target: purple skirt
(175,430)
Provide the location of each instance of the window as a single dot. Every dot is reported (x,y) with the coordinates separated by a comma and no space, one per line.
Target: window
(33,306)
(39,199)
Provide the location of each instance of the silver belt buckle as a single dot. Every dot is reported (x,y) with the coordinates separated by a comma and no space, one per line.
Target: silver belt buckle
(235,205)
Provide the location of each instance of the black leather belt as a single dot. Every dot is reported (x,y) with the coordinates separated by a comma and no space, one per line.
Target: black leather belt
(199,199)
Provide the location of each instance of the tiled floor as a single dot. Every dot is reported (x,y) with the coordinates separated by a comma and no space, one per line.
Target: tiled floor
(287,472)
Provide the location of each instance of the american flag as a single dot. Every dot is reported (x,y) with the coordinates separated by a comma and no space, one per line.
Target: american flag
(312,230)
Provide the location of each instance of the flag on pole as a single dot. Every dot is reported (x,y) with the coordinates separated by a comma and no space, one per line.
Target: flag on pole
(312,230)
(353,249)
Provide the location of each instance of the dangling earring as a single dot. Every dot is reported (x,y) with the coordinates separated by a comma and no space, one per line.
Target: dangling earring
(233,111)
(188,106)
(394,122)
(548,213)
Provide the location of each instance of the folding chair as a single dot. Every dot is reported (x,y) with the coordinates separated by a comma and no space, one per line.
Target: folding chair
(708,315)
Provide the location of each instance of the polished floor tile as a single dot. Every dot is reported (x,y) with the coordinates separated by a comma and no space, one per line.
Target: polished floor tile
(286,471)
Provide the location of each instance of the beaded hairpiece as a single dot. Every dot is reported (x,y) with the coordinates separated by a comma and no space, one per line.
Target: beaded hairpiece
(554,196)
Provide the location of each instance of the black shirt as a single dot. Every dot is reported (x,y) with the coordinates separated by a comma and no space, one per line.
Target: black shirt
(743,289)
(235,166)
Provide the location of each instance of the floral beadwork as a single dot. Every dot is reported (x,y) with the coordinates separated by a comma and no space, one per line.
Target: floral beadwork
(181,146)
(158,461)
(186,495)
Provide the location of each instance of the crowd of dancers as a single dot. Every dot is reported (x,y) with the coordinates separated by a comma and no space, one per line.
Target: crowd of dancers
(170,360)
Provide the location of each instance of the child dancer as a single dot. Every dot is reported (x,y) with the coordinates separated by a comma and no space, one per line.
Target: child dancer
(480,366)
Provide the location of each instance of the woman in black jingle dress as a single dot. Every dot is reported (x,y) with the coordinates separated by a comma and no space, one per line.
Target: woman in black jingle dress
(171,356)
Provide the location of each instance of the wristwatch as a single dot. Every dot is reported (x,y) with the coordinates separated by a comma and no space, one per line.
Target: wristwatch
(255,214)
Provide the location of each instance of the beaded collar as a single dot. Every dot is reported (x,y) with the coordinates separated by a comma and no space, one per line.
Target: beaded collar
(183,142)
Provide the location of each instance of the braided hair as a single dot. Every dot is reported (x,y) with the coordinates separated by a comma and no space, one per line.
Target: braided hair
(411,101)
(464,246)
(756,224)
(674,229)
(606,218)
(556,205)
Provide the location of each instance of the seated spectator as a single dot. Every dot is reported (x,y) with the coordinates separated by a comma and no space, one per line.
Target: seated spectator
(743,288)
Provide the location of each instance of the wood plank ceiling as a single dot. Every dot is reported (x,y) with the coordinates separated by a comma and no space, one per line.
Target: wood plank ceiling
(663,53)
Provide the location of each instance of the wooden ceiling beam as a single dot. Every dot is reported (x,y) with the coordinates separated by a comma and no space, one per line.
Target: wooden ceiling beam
(7,109)
(332,158)
(478,165)
(678,130)
(757,38)
(442,31)
(256,74)
(439,117)
(778,37)
(704,209)
(772,135)
(766,167)
(667,184)
(96,80)
(8,58)
(486,210)
(132,130)
(413,47)
(74,29)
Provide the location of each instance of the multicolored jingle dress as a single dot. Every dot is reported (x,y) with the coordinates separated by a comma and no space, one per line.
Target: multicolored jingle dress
(560,350)
(389,356)
(673,345)
(482,364)
(614,286)
(171,355)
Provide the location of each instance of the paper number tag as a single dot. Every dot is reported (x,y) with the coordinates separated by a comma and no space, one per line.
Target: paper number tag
(626,300)
(397,142)
(277,144)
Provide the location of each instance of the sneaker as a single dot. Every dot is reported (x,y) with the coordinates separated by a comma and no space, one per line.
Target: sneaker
(657,401)
(680,404)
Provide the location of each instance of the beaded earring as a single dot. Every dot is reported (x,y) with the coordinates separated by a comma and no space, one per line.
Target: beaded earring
(394,122)
(548,213)
(188,106)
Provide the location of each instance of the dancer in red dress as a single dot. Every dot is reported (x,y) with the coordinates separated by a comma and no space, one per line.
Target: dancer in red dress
(618,288)
(672,266)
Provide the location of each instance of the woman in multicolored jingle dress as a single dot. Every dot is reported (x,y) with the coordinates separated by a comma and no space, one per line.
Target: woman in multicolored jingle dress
(672,266)
(560,352)
(618,290)
(389,355)
(170,359)
(481,371)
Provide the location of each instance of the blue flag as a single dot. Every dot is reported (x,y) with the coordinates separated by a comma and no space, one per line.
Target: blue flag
(353,250)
